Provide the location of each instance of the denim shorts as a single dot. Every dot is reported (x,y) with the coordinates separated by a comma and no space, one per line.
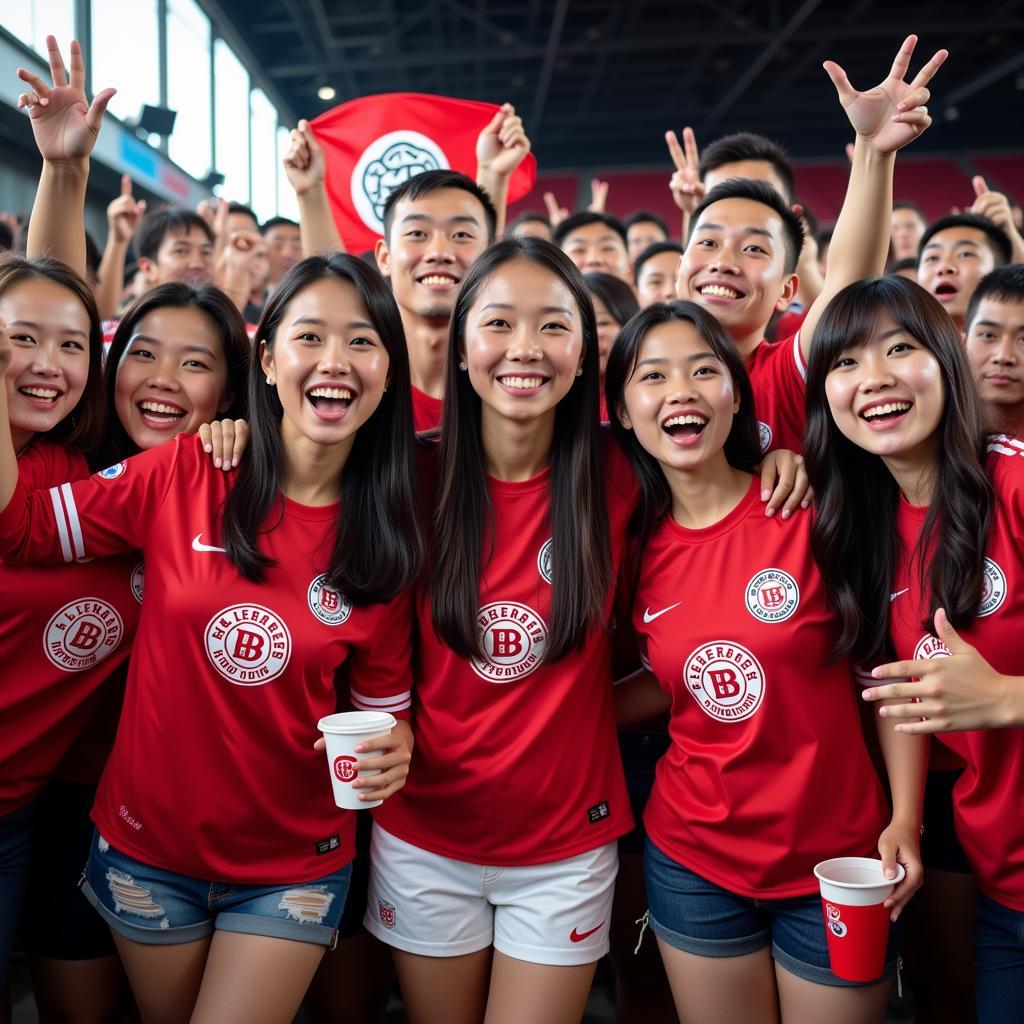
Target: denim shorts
(699,917)
(998,962)
(150,905)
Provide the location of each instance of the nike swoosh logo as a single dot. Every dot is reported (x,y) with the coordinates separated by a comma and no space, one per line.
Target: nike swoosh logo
(648,617)
(892,597)
(198,545)
(577,937)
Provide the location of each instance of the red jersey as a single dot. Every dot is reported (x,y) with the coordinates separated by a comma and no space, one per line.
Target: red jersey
(213,772)
(515,760)
(64,630)
(989,795)
(768,772)
(778,375)
(426,411)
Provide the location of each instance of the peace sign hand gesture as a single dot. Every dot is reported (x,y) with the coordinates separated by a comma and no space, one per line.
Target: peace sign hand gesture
(687,190)
(894,112)
(64,123)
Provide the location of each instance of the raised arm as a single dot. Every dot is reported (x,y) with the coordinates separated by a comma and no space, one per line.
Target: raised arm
(685,184)
(885,119)
(123,216)
(500,148)
(65,126)
(996,207)
(306,168)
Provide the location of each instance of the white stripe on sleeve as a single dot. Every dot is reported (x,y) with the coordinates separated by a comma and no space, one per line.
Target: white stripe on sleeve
(798,357)
(73,521)
(396,702)
(62,526)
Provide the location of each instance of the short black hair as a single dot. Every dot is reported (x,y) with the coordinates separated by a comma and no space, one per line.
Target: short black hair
(574,221)
(763,193)
(646,217)
(163,221)
(654,249)
(242,208)
(276,222)
(997,238)
(906,204)
(529,217)
(898,266)
(423,184)
(731,149)
(618,298)
(825,236)
(1004,284)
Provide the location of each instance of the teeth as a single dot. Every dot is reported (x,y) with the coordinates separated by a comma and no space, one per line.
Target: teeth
(169,410)
(48,393)
(339,394)
(438,279)
(522,382)
(884,410)
(719,290)
(684,421)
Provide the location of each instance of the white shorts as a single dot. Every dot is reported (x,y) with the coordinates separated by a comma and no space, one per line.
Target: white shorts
(557,913)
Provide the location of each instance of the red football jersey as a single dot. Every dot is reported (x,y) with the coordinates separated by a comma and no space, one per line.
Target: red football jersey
(768,772)
(516,761)
(64,630)
(778,375)
(989,796)
(426,411)
(213,772)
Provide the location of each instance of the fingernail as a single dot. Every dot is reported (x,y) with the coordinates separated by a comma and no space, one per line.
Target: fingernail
(786,513)
(766,494)
(769,512)
(359,749)
(234,460)
(44,102)
(207,448)
(883,711)
(889,873)
(216,463)
(805,503)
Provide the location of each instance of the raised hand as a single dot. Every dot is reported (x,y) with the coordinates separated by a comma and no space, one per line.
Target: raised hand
(556,213)
(687,190)
(304,163)
(894,112)
(993,205)
(598,195)
(502,145)
(64,123)
(124,213)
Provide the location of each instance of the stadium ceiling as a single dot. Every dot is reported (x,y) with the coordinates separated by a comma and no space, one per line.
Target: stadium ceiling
(599,81)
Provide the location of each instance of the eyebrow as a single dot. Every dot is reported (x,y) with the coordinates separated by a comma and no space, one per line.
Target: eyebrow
(543,309)
(935,244)
(747,231)
(156,341)
(460,218)
(36,327)
(696,357)
(317,322)
(610,237)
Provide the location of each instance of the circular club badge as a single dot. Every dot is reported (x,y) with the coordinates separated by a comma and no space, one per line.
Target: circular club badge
(326,603)
(249,645)
(513,637)
(993,591)
(835,921)
(138,581)
(772,595)
(112,472)
(386,163)
(82,634)
(544,561)
(930,647)
(346,768)
(725,679)
(764,432)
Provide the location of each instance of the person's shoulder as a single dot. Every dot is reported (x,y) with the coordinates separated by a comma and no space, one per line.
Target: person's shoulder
(1006,464)
(46,465)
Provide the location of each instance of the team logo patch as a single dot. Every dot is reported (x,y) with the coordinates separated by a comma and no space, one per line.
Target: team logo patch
(772,595)
(113,472)
(82,634)
(764,432)
(326,603)
(386,911)
(544,561)
(725,679)
(346,768)
(513,637)
(386,163)
(993,591)
(248,644)
(138,580)
(930,647)
(835,922)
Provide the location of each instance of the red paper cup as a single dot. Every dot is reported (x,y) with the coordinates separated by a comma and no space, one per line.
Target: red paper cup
(853,890)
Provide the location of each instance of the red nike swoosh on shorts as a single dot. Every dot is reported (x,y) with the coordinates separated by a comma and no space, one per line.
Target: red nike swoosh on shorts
(577,937)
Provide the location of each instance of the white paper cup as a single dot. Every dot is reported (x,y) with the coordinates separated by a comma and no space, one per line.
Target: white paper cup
(343,733)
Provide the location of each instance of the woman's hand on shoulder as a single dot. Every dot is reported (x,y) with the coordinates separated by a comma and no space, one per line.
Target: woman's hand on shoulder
(225,440)
(784,483)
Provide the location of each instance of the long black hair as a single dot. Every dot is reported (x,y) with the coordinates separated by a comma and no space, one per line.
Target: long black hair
(742,446)
(228,322)
(464,518)
(82,428)
(378,548)
(854,536)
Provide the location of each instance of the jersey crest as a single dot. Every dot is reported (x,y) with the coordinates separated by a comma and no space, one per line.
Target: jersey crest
(112,472)
(82,634)
(513,637)
(725,679)
(930,647)
(326,603)
(772,595)
(993,591)
(249,645)
(544,561)
(138,580)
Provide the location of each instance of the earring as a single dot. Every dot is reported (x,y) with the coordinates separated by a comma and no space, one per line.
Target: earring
(579,371)
(462,365)
(270,380)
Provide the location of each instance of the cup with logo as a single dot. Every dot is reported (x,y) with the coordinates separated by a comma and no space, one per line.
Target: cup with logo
(853,891)
(342,733)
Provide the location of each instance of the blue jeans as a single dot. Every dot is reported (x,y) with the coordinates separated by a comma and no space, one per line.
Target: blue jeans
(699,917)
(998,962)
(148,904)
(15,856)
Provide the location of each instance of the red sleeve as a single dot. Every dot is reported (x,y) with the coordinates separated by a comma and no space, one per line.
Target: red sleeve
(1006,468)
(44,465)
(105,514)
(381,676)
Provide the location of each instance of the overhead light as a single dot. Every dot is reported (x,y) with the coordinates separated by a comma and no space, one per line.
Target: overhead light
(154,120)
(326,92)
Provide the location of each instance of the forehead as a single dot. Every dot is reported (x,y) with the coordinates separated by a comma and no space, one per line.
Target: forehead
(44,302)
(645,227)
(178,327)
(741,214)
(187,236)
(440,205)
(1000,311)
(662,263)
(328,299)
(951,237)
(673,339)
(525,285)
(755,170)
(905,214)
(240,220)
(280,232)
(589,234)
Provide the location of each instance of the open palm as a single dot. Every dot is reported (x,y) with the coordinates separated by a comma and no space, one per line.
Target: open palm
(64,123)
(894,112)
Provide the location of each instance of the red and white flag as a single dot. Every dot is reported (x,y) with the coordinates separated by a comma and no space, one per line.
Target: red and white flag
(375,143)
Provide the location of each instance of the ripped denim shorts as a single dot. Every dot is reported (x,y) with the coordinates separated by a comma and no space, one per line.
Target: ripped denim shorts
(148,904)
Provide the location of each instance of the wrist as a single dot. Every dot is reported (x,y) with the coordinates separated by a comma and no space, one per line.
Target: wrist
(76,168)
(314,195)
(1011,705)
